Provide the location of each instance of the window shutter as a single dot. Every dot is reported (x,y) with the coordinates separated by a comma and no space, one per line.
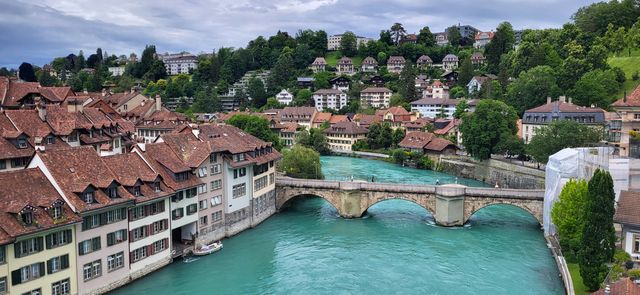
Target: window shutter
(64,261)
(103,218)
(80,249)
(150,230)
(110,239)
(41,264)
(131,235)
(124,234)
(161,206)
(96,243)
(17,249)
(40,243)
(131,257)
(131,214)
(49,239)
(149,250)
(67,235)
(49,266)
(16,278)
(146,210)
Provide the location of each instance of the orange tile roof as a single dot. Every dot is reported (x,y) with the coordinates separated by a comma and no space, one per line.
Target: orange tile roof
(632,100)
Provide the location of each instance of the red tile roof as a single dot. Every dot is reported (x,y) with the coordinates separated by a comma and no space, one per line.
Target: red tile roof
(321,117)
(167,163)
(564,107)
(424,140)
(338,118)
(628,211)
(376,90)
(632,100)
(39,195)
(191,150)
(623,286)
(345,128)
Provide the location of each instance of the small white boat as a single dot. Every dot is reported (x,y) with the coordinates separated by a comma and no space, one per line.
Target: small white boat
(208,249)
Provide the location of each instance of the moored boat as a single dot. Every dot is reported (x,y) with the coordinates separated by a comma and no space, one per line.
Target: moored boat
(208,249)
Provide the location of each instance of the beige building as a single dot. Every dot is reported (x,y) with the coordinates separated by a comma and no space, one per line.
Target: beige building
(345,66)
(376,97)
(37,241)
(628,109)
(341,136)
(395,64)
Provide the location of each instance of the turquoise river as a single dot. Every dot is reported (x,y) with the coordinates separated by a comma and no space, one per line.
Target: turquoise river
(394,249)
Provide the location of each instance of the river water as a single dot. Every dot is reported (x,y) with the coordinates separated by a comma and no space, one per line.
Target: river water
(394,249)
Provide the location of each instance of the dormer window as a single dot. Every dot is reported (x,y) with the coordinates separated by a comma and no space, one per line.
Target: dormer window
(56,211)
(22,143)
(89,197)
(136,191)
(50,139)
(27,217)
(90,133)
(112,192)
(156,186)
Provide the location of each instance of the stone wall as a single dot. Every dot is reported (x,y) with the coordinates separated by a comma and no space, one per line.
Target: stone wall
(506,175)
(235,228)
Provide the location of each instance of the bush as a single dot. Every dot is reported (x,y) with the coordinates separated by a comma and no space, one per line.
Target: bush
(621,256)
(424,163)
(399,155)
(360,145)
(634,274)
(635,76)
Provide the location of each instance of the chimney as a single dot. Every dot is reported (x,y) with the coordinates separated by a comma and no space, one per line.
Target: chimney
(625,96)
(104,92)
(548,99)
(570,100)
(42,109)
(133,89)
(562,98)
(75,106)
(85,91)
(158,102)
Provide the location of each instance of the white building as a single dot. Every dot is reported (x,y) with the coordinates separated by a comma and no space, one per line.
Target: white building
(284,97)
(116,71)
(482,39)
(376,97)
(432,107)
(333,42)
(329,99)
(179,63)
(436,90)
(628,216)
(450,62)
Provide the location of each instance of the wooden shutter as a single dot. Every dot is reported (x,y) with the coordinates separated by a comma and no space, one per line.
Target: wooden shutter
(50,266)
(40,243)
(161,206)
(149,250)
(16,277)
(64,261)
(42,273)
(124,234)
(68,235)
(80,249)
(146,210)
(49,240)
(131,235)
(131,214)
(103,218)
(110,239)
(150,230)
(95,243)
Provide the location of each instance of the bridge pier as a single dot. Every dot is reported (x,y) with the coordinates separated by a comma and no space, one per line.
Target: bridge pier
(350,204)
(450,205)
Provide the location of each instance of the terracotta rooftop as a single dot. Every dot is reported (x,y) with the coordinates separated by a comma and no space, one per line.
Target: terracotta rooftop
(338,118)
(366,120)
(370,61)
(563,107)
(632,100)
(39,196)
(319,61)
(396,60)
(375,90)
(623,286)
(628,210)
(130,170)
(76,169)
(424,140)
(189,148)
(321,117)
(168,164)
(345,128)
(296,112)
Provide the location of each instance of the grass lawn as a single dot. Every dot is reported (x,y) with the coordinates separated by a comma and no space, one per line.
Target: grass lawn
(574,269)
(630,65)
(332,58)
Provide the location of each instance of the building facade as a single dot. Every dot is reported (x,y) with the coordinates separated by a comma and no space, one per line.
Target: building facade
(376,97)
(329,99)
(343,135)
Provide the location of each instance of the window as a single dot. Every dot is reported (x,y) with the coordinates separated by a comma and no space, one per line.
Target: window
(88,246)
(136,191)
(50,139)
(27,218)
(112,192)
(160,225)
(156,207)
(33,292)
(115,261)
(3,285)
(193,208)
(260,183)
(56,211)
(160,245)
(92,270)
(202,188)
(58,239)
(216,169)
(240,172)
(217,200)
(177,197)
(22,143)
(3,255)
(177,214)
(203,220)
(137,213)
(28,247)
(192,192)
(216,216)
(139,233)
(116,237)
(216,184)
(139,254)
(182,176)
(202,172)
(61,288)
(272,178)
(19,162)
(202,204)
(57,263)
(156,186)
(213,158)
(239,190)
(238,157)
(89,197)
(636,243)
(27,273)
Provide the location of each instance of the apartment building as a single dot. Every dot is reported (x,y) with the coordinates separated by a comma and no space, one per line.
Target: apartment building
(37,241)
(93,192)
(343,135)
(179,63)
(329,99)
(369,65)
(438,107)
(375,97)
(333,41)
(302,116)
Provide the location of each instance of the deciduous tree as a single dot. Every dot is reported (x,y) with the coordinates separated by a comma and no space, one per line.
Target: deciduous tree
(301,162)
(568,215)
(558,135)
(483,130)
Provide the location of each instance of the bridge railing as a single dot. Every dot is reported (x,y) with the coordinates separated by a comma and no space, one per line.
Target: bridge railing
(409,188)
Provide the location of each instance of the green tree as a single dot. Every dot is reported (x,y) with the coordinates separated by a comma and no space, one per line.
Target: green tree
(461,109)
(426,38)
(349,44)
(301,162)
(598,234)
(26,72)
(532,88)
(322,80)
(595,88)
(568,215)
(483,130)
(397,136)
(502,42)
(380,136)
(453,35)
(407,83)
(558,135)
(281,73)
(303,97)
(314,139)
(255,90)
(615,39)
(257,126)
(466,72)
(46,79)
(206,101)
(146,61)
(397,32)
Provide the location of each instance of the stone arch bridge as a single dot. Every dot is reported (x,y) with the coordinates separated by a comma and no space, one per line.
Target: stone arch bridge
(451,205)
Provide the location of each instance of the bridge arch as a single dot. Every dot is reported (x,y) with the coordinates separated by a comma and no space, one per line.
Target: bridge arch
(284,196)
(377,197)
(473,205)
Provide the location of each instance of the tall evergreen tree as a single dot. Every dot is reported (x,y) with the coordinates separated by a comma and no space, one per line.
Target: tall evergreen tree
(466,72)
(501,43)
(453,35)
(598,234)
(407,83)
(281,73)
(397,32)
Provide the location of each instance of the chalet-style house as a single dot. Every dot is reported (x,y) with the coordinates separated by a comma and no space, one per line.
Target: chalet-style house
(427,143)
(395,64)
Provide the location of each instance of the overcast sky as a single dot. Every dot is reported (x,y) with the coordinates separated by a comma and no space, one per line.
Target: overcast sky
(36,31)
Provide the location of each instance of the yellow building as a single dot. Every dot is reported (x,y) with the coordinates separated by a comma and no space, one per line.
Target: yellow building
(38,252)
(341,136)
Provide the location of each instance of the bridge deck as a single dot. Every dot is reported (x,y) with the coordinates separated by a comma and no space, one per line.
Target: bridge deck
(409,188)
